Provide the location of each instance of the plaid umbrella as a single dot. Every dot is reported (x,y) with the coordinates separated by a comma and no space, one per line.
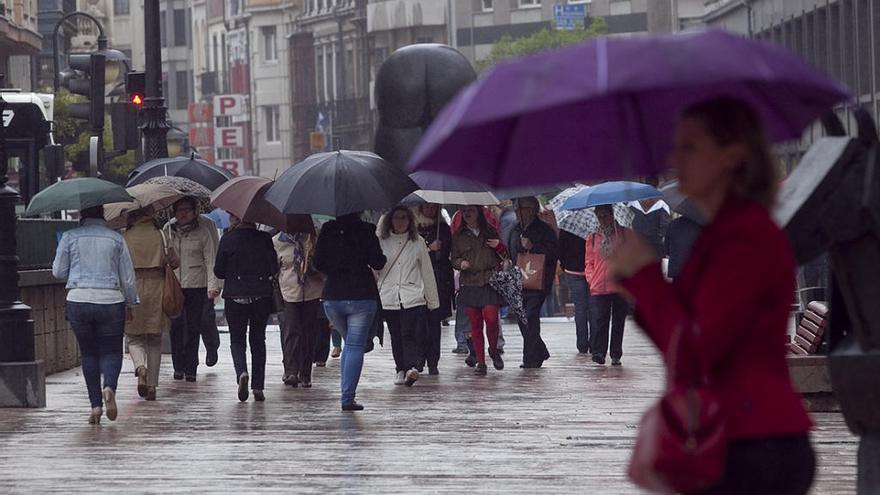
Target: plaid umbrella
(582,223)
(189,188)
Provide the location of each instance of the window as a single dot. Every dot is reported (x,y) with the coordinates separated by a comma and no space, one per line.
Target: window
(319,66)
(488,5)
(181,89)
(270,49)
(620,7)
(180,26)
(529,3)
(272,124)
(163,28)
(121,7)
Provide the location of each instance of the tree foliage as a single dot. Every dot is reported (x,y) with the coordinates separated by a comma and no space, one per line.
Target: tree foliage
(545,39)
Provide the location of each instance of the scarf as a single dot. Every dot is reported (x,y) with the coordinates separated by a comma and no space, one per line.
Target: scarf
(298,239)
(183,229)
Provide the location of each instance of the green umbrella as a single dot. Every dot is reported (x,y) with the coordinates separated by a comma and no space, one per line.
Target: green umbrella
(76,194)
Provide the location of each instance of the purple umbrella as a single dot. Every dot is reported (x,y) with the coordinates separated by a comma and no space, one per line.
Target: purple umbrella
(607,108)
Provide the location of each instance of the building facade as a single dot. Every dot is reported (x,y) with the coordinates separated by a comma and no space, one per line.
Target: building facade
(19,41)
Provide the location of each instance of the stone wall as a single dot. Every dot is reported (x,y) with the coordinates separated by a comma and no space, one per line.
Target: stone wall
(54,341)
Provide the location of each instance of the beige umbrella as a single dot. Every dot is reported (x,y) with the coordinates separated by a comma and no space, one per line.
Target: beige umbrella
(152,197)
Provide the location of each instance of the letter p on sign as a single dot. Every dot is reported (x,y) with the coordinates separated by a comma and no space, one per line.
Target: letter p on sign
(228,105)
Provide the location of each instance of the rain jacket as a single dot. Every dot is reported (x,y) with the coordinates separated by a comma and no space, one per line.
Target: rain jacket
(407,281)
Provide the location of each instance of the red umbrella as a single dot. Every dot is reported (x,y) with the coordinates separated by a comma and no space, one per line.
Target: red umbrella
(243,197)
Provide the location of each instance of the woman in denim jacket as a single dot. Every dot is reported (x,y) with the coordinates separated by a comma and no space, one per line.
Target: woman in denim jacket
(101,290)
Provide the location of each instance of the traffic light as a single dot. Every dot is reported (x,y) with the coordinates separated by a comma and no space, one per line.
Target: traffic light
(86,77)
(135,84)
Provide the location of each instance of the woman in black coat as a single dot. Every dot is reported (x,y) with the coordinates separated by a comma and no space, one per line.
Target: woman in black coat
(247,262)
(438,237)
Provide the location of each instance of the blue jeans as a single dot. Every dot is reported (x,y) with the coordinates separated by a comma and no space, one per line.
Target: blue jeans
(98,329)
(352,320)
(579,291)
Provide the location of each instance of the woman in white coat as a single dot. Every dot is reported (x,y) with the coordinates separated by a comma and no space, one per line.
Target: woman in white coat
(408,291)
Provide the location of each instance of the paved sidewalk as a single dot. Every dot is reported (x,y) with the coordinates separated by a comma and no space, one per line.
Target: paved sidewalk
(565,428)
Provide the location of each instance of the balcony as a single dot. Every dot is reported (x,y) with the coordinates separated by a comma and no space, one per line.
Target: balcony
(388,15)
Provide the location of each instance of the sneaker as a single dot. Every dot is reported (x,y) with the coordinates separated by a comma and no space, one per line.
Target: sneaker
(352,406)
(95,416)
(110,402)
(141,374)
(598,359)
(497,362)
(306,384)
(615,361)
(178,376)
(151,393)
(471,360)
(480,370)
(211,357)
(320,364)
(400,379)
(411,377)
(259,396)
(336,352)
(432,370)
(243,387)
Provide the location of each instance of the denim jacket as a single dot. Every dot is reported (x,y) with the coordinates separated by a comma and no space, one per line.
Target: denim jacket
(93,256)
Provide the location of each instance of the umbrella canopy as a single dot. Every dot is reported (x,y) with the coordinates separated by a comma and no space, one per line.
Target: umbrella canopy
(244,198)
(607,108)
(154,197)
(449,190)
(195,169)
(219,217)
(338,183)
(76,194)
(609,193)
(680,203)
(582,223)
(530,190)
(188,188)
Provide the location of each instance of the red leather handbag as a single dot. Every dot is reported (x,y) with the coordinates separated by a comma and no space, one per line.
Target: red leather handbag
(682,442)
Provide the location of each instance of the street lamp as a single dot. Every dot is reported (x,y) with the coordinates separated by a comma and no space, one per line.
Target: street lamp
(115,65)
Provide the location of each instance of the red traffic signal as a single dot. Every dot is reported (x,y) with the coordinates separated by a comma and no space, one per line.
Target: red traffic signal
(136,99)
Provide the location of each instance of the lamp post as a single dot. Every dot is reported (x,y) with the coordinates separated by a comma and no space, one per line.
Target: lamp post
(154,123)
(22,382)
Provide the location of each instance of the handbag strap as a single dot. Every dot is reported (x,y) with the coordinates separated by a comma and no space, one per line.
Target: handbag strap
(396,257)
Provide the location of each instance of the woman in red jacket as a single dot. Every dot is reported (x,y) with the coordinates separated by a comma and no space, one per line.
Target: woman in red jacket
(737,288)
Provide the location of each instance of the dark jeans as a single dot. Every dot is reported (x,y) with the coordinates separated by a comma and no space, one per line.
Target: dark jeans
(579,291)
(408,328)
(768,466)
(241,316)
(98,329)
(186,331)
(431,345)
(299,333)
(605,309)
(534,350)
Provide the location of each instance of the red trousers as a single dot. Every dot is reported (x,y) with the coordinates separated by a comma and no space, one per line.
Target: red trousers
(477,316)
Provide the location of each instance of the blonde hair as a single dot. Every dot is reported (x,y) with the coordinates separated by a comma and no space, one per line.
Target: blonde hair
(730,120)
(386,227)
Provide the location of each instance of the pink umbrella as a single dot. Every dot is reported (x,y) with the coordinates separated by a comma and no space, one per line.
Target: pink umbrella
(244,198)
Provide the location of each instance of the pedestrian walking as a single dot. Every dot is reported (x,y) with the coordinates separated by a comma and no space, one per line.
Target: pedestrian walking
(347,251)
(681,235)
(477,252)
(195,240)
(301,286)
(149,254)
(732,298)
(101,291)
(248,263)
(607,305)
(437,235)
(407,290)
(531,235)
(572,251)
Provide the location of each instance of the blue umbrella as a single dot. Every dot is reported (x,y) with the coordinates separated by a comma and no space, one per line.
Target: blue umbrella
(609,193)
(219,217)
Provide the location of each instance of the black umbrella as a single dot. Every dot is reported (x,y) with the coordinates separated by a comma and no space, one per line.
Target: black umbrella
(338,183)
(197,170)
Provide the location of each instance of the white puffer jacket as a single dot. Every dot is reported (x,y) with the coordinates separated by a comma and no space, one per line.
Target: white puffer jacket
(409,281)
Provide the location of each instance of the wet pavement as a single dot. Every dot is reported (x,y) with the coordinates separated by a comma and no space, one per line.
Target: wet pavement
(565,428)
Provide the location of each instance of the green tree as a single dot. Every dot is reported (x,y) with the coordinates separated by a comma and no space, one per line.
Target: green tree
(545,39)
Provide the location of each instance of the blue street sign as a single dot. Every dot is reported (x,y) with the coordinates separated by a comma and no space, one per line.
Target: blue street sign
(569,17)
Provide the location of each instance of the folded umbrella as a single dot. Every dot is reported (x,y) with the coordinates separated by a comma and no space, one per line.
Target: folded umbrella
(244,197)
(609,193)
(340,182)
(607,108)
(152,197)
(76,194)
(192,168)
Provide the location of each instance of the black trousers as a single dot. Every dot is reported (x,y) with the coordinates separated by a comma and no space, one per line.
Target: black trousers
(768,466)
(408,328)
(431,344)
(321,351)
(605,309)
(247,324)
(186,331)
(210,332)
(299,332)
(534,349)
